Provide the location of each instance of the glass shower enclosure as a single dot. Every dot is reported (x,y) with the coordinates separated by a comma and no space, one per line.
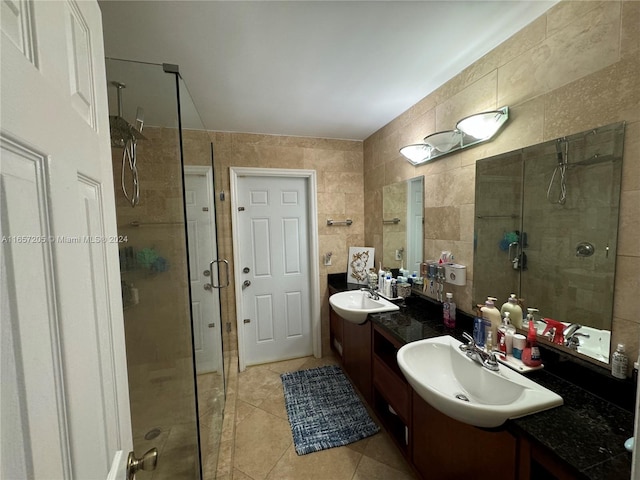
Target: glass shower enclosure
(163,175)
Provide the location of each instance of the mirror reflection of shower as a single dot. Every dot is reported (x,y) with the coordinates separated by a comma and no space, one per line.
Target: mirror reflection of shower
(126,136)
(562,153)
(560,170)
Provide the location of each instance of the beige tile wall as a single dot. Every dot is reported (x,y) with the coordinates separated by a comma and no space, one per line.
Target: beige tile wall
(339,169)
(574,68)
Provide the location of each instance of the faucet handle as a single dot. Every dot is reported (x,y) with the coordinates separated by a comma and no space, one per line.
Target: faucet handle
(467,347)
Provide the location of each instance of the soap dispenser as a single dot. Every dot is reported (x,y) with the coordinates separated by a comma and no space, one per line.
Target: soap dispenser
(515,312)
(492,315)
(505,335)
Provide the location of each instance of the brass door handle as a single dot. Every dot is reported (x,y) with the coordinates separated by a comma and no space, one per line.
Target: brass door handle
(148,462)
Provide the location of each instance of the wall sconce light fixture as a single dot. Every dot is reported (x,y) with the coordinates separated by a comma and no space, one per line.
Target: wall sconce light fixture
(469,131)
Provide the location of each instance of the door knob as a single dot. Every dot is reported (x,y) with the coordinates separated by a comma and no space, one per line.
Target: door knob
(246,283)
(207,286)
(148,462)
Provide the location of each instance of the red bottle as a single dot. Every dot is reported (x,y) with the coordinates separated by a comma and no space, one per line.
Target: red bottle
(531,353)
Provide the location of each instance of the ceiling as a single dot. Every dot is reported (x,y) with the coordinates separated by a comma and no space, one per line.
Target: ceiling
(330,69)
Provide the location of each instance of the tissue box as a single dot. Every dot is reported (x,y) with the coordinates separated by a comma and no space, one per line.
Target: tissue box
(455,274)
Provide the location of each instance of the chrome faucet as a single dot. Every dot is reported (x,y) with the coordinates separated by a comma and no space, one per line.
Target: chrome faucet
(571,335)
(486,359)
(373,294)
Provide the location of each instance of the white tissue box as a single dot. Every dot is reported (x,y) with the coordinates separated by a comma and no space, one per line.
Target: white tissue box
(455,274)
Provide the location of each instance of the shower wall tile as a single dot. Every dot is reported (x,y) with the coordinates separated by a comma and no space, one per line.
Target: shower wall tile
(442,223)
(630,39)
(583,46)
(607,96)
(629,224)
(477,97)
(564,13)
(630,168)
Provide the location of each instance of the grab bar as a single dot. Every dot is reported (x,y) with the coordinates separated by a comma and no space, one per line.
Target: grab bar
(347,222)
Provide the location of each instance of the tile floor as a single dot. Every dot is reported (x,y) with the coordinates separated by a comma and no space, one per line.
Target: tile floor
(264,445)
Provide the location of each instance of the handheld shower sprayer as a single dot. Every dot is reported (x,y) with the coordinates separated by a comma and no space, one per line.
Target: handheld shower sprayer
(562,155)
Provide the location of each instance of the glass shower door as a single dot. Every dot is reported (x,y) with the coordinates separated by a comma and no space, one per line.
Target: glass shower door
(156,271)
(206,278)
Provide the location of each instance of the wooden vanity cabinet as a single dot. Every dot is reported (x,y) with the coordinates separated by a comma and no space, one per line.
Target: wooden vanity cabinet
(437,446)
(391,391)
(443,448)
(355,350)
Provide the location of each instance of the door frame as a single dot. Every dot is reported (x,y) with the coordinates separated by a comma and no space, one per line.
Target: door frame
(312,229)
(207,171)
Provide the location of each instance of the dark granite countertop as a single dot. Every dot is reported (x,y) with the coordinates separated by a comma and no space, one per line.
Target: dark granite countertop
(587,432)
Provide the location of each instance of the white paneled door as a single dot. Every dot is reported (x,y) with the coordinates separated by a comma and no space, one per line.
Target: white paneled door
(205,297)
(63,392)
(273,269)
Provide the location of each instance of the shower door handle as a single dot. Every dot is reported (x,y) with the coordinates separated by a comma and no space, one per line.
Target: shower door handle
(226,265)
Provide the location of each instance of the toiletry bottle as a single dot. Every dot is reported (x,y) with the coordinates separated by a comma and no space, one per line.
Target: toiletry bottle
(381,276)
(502,334)
(492,314)
(531,352)
(530,317)
(515,312)
(449,312)
(619,362)
(478,328)
(394,288)
(387,285)
(489,344)
(511,331)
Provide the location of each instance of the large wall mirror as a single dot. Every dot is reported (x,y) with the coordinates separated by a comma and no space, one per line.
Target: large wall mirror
(402,224)
(546,229)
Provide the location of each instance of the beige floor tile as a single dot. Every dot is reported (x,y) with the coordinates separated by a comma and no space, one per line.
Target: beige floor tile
(332,464)
(254,384)
(261,439)
(264,446)
(288,365)
(238,475)
(243,410)
(381,448)
(360,446)
(370,469)
(273,402)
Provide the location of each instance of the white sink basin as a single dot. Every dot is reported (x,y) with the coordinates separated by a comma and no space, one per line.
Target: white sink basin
(355,305)
(444,377)
(596,345)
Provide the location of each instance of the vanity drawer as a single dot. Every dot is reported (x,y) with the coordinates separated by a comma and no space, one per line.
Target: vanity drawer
(395,390)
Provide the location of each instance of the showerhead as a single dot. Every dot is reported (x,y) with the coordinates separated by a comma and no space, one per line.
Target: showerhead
(121,130)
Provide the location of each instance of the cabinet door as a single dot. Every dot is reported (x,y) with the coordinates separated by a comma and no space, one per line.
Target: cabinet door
(335,332)
(356,356)
(444,448)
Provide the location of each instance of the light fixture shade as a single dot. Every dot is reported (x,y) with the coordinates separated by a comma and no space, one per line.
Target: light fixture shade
(444,141)
(417,153)
(483,125)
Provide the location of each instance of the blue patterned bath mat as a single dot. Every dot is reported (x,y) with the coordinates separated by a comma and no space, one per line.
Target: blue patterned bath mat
(324,410)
